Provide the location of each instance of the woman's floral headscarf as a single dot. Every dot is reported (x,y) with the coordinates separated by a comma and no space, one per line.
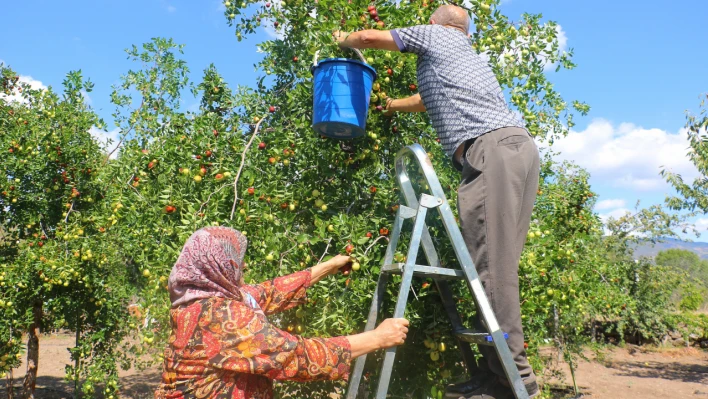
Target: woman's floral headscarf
(210,265)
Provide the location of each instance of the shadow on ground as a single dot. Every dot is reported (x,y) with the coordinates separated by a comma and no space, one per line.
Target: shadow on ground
(697,373)
(138,386)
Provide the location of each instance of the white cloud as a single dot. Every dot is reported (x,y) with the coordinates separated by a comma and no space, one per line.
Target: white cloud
(627,155)
(107,140)
(87,98)
(610,204)
(701,224)
(16,95)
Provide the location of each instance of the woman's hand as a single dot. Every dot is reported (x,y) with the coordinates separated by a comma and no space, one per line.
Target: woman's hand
(338,262)
(390,332)
(329,267)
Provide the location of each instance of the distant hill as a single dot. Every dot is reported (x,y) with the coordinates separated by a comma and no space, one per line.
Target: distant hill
(650,250)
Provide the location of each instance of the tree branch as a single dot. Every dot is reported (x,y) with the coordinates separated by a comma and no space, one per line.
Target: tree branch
(243,161)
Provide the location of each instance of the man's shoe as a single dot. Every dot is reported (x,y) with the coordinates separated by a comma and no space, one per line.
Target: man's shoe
(491,388)
(455,391)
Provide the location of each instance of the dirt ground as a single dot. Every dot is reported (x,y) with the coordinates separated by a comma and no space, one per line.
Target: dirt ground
(622,373)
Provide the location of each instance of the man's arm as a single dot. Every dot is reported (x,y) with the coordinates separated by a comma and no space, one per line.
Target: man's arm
(369,38)
(409,104)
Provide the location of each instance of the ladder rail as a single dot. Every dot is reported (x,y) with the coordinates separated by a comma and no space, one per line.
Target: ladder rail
(377,300)
(417,153)
(399,311)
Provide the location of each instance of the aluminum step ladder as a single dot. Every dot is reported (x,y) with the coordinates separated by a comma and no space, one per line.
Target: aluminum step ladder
(416,208)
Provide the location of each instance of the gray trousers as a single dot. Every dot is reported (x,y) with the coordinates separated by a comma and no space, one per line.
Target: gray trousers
(500,172)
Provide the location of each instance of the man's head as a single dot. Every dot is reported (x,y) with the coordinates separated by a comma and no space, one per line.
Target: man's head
(453,16)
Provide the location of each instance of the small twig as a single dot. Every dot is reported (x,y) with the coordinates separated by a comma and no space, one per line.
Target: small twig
(209,198)
(350,206)
(372,244)
(134,189)
(325,251)
(282,255)
(413,291)
(243,161)
(71,208)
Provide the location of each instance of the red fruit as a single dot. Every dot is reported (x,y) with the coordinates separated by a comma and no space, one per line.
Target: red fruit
(261,198)
(380,23)
(284,205)
(426,285)
(208,153)
(377,19)
(150,165)
(41,244)
(136,178)
(389,71)
(219,176)
(198,157)
(11,150)
(216,134)
(261,145)
(295,59)
(349,248)
(271,109)
(373,13)
(371,7)
(372,189)
(348,280)
(276,25)
(379,108)
(437,139)
(43,237)
(368,234)
(383,231)
(12,188)
(169,209)
(346,269)
(412,86)
(267,4)
(286,152)
(526,345)
(202,170)
(395,129)
(271,160)
(251,191)
(145,151)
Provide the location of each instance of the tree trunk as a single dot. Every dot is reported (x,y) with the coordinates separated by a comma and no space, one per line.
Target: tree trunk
(10,385)
(10,377)
(32,353)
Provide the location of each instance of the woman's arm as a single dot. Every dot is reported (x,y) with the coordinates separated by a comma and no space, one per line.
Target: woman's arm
(390,332)
(247,343)
(285,292)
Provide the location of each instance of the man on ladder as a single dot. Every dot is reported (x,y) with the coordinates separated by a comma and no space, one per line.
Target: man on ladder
(497,158)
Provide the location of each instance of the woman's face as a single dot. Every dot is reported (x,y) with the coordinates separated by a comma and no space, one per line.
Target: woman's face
(242,269)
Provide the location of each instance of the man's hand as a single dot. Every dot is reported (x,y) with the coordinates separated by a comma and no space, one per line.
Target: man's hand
(340,37)
(388,110)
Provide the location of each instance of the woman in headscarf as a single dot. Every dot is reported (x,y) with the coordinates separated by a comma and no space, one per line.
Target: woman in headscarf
(222,345)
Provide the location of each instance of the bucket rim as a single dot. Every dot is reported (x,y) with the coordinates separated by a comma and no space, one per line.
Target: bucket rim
(349,60)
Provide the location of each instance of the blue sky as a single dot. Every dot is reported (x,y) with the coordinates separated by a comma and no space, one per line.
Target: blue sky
(641,64)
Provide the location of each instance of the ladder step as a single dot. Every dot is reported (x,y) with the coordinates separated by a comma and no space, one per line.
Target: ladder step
(476,337)
(426,271)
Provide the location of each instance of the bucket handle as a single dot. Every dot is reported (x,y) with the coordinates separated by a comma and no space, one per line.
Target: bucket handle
(317,53)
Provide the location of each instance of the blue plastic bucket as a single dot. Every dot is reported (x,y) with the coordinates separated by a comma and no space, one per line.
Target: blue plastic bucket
(342,90)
